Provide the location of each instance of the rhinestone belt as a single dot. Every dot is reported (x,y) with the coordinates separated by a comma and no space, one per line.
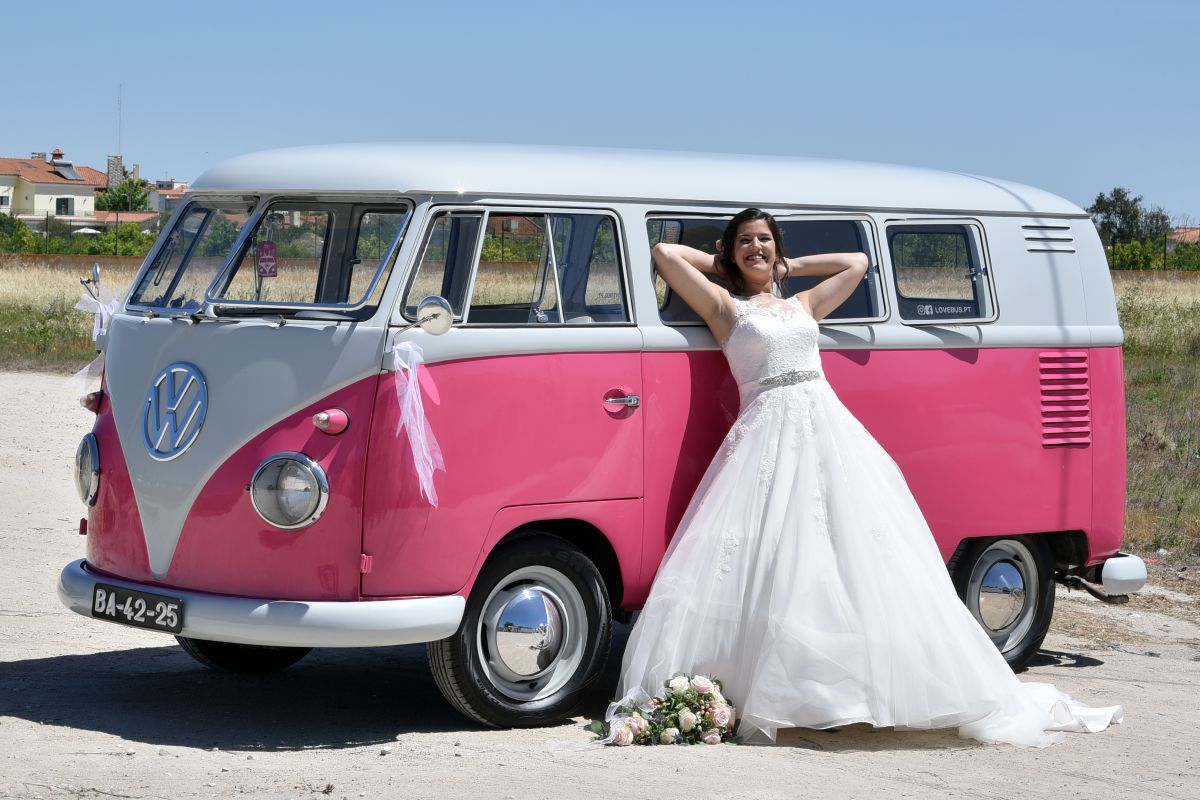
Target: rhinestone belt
(790,377)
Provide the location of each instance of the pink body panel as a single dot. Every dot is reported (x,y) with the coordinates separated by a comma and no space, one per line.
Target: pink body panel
(1108,453)
(529,438)
(115,543)
(514,431)
(690,401)
(964,425)
(620,520)
(227,548)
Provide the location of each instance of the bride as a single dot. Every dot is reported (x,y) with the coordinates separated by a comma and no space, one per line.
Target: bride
(803,574)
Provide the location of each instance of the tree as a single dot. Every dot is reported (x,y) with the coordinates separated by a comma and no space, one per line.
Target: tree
(1155,223)
(1121,218)
(1118,216)
(15,236)
(128,195)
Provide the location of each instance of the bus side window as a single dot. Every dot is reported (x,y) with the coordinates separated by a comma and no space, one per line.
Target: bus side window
(939,273)
(809,237)
(446,258)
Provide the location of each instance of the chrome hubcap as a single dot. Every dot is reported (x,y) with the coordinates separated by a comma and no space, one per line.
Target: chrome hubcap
(532,633)
(529,632)
(1002,592)
(1001,595)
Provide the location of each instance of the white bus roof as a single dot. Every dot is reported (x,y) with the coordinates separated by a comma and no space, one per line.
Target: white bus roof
(501,170)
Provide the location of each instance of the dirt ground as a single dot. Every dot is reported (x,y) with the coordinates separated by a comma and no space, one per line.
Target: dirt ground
(95,710)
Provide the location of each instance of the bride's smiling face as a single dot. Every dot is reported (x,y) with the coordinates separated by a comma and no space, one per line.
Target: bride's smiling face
(754,252)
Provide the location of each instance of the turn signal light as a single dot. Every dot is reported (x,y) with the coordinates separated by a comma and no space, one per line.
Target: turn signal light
(333,421)
(91,401)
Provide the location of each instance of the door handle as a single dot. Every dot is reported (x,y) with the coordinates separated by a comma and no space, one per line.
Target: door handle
(627,400)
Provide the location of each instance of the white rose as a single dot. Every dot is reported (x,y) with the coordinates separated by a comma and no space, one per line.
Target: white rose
(622,734)
(678,684)
(687,720)
(702,684)
(669,736)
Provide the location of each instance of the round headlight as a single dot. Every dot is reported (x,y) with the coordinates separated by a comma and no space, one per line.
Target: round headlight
(289,490)
(87,469)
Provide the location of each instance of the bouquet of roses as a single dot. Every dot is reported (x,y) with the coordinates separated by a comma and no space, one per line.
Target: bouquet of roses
(688,709)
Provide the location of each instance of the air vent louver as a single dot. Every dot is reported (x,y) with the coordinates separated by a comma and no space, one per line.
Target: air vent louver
(1066,398)
(1047,238)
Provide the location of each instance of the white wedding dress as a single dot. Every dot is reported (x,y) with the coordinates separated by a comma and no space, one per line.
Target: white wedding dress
(804,577)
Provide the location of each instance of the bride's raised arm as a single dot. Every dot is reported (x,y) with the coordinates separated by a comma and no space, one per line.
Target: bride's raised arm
(844,272)
(683,269)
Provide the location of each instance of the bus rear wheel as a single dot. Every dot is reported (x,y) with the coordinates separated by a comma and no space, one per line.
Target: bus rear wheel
(1008,586)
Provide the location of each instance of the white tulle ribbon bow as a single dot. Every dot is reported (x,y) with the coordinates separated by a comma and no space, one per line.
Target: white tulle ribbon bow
(103,308)
(426,454)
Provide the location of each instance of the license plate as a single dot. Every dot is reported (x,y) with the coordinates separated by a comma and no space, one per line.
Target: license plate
(140,609)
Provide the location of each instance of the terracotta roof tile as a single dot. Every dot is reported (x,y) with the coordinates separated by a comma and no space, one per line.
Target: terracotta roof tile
(126,216)
(35,171)
(1185,235)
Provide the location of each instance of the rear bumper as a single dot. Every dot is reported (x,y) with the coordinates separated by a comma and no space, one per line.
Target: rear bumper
(285,623)
(1123,574)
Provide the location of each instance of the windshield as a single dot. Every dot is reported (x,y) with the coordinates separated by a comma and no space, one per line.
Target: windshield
(192,255)
(300,255)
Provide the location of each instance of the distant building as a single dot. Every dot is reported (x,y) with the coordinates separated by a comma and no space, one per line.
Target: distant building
(1184,236)
(165,195)
(147,221)
(34,188)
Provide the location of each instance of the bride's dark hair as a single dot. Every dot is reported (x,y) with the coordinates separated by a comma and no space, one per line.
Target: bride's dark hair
(726,266)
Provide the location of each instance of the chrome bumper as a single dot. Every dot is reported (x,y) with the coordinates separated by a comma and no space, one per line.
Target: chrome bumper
(285,623)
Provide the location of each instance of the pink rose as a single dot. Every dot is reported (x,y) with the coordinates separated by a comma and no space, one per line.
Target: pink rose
(712,737)
(637,724)
(722,715)
(622,734)
(702,684)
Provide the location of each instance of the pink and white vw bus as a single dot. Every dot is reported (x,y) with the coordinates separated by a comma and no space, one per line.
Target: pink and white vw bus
(262,477)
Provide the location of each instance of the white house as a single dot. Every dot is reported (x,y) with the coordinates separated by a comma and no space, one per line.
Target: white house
(36,187)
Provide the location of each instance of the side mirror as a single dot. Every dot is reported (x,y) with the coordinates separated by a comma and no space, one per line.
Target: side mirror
(434,315)
(92,284)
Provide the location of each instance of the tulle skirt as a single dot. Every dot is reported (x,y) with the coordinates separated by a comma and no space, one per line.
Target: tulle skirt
(804,577)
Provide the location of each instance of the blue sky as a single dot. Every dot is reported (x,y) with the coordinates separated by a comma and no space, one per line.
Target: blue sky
(1073,96)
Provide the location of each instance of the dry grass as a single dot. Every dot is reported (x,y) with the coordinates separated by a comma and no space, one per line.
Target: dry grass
(1161,317)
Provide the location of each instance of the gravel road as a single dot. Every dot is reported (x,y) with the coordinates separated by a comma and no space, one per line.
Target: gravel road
(95,710)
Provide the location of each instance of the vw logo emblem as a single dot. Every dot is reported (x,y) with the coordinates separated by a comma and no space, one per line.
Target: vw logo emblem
(174,413)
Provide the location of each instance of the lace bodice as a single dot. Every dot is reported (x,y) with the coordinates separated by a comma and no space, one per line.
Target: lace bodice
(770,337)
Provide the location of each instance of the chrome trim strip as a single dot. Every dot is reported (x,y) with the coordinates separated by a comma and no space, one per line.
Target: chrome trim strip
(285,623)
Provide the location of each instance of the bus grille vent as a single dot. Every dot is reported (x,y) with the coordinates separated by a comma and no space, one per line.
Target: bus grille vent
(1066,398)
(1048,238)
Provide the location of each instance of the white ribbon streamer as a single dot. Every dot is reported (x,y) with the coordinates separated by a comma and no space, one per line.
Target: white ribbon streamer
(103,308)
(426,454)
